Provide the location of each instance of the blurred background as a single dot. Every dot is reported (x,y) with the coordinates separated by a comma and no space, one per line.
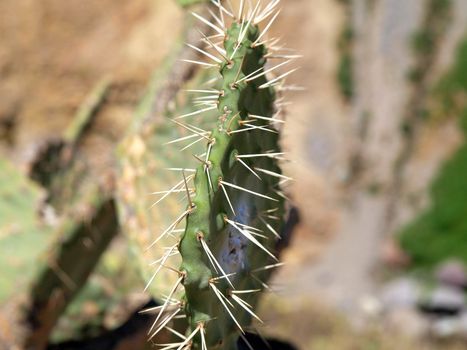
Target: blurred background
(377,139)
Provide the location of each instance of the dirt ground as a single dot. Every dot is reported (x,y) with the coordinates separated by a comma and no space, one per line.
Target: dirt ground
(52,54)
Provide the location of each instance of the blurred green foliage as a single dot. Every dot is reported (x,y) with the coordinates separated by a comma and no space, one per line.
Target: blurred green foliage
(345,43)
(344,76)
(424,41)
(452,89)
(441,231)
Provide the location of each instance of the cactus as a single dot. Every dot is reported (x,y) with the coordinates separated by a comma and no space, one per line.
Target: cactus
(59,166)
(23,240)
(235,205)
(87,222)
(22,236)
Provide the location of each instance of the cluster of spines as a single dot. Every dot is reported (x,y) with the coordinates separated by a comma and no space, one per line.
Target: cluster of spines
(207,184)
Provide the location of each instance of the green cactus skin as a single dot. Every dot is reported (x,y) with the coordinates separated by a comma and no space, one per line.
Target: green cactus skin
(236,210)
(210,206)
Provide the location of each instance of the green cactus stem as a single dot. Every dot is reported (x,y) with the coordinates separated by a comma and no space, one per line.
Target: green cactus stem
(235,205)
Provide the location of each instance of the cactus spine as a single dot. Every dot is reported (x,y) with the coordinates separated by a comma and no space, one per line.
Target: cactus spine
(235,208)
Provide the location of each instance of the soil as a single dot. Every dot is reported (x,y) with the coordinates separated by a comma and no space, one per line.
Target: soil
(53,53)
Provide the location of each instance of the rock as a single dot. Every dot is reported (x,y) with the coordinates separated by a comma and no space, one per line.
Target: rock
(408,322)
(370,306)
(463,324)
(400,293)
(446,327)
(453,273)
(444,301)
(450,327)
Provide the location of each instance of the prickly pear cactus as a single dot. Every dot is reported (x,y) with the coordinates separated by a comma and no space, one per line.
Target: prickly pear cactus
(23,238)
(235,207)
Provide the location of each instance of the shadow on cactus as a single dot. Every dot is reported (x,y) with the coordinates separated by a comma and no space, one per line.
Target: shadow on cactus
(235,207)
